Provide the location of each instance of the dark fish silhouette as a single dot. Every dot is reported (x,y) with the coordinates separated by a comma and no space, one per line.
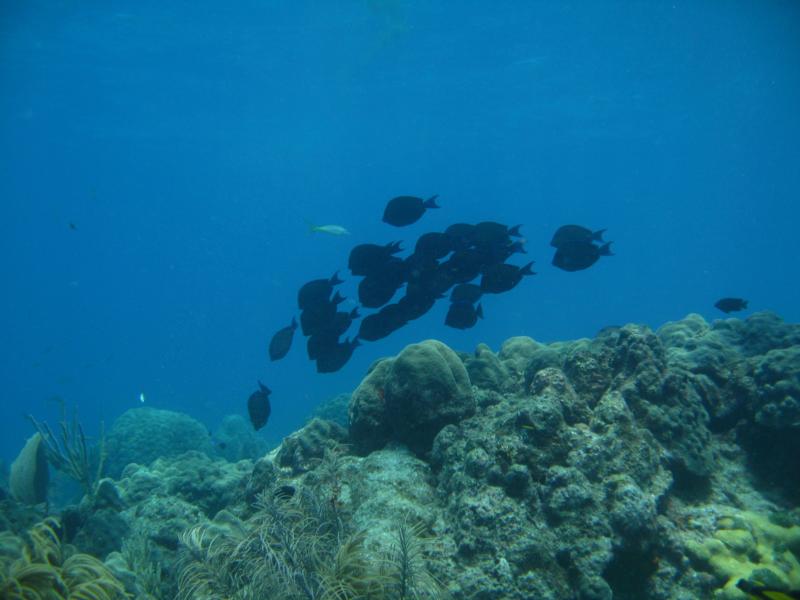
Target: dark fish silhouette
(73,226)
(575,233)
(417,303)
(316,291)
(489,232)
(461,235)
(466,292)
(462,315)
(282,340)
(258,406)
(317,317)
(576,256)
(464,265)
(405,210)
(320,344)
(433,245)
(729,305)
(379,325)
(496,253)
(502,278)
(377,289)
(335,357)
(368,259)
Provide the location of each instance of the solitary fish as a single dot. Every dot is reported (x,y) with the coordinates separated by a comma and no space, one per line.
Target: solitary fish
(329,229)
(405,210)
(282,340)
(729,305)
(258,406)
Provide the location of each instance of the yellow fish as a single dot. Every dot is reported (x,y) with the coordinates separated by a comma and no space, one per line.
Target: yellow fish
(329,229)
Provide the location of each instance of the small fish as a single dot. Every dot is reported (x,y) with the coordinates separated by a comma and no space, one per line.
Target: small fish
(462,315)
(501,278)
(329,229)
(72,226)
(405,210)
(575,233)
(729,305)
(258,406)
(577,256)
(282,340)
(141,398)
(762,592)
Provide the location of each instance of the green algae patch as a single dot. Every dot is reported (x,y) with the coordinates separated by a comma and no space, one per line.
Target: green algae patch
(748,545)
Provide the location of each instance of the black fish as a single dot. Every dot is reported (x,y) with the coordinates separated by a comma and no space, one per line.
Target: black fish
(335,357)
(462,315)
(461,235)
(433,245)
(489,232)
(729,305)
(320,344)
(464,266)
(376,290)
(335,324)
(575,233)
(281,342)
(317,291)
(502,278)
(576,256)
(466,292)
(258,406)
(317,318)
(405,210)
(384,322)
(73,226)
(416,304)
(496,253)
(368,259)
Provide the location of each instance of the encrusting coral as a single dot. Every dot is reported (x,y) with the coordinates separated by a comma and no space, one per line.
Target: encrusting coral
(38,568)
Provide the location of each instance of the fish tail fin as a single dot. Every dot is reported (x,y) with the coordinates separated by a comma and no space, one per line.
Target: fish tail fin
(294,323)
(431,202)
(744,303)
(605,249)
(597,236)
(337,298)
(479,310)
(519,246)
(264,388)
(312,227)
(354,314)
(334,280)
(514,231)
(396,247)
(527,269)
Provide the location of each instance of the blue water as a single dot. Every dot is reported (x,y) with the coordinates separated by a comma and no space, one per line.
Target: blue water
(188,142)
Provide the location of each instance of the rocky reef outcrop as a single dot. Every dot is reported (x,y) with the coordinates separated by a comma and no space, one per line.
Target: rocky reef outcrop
(638,464)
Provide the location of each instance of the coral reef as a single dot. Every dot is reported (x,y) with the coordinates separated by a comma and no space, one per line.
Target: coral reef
(637,464)
(235,440)
(141,435)
(410,398)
